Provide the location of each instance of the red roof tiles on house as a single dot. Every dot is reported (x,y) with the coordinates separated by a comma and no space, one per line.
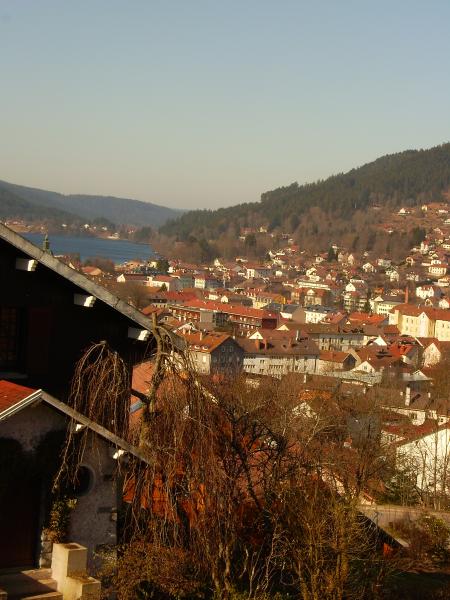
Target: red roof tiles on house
(333,356)
(362,317)
(230,309)
(11,394)
(205,342)
(437,314)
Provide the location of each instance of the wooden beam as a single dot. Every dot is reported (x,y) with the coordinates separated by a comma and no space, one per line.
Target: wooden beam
(99,429)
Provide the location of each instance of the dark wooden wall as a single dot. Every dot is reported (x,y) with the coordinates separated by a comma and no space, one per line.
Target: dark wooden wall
(54,331)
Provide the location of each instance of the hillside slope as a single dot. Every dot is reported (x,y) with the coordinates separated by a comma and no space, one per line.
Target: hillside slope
(118,210)
(406,178)
(14,207)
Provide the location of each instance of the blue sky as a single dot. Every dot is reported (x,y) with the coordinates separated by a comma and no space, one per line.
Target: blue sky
(199,103)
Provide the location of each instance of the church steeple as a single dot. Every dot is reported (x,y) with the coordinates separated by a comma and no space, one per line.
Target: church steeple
(46,244)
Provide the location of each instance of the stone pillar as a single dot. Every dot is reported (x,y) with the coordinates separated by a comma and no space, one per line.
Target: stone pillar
(69,571)
(45,557)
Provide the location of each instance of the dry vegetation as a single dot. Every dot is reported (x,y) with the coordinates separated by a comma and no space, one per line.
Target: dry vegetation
(243,494)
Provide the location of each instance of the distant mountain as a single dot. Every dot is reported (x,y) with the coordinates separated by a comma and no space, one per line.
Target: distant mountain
(406,178)
(14,207)
(30,201)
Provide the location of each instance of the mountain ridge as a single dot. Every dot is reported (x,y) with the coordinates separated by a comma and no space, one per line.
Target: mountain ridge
(86,206)
(408,177)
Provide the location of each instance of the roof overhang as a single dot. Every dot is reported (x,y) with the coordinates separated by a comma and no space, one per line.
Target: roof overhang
(92,289)
(38,396)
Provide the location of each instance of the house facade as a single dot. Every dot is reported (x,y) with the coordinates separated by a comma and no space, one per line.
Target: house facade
(421,321)
(275,356)
(33,427)
(49,316)
(214,352)
(426,453)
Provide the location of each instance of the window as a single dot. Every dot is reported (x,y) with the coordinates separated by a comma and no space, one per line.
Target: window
(84,481)
(9,337)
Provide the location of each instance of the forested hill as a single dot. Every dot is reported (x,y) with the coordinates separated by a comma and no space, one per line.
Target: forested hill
(14,207)
(27,202)
(402,179)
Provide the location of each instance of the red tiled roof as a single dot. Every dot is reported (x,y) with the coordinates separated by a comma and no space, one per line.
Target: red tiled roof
(401,348)
(441,314)
(91,270)
(205,342)
(362,317)
(333,356)
(391,330)
(142,375)
(11,394)
(408,432)
(279,347)
(152,308)
(228,308)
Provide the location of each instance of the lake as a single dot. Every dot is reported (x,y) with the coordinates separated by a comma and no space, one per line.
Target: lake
(119,251)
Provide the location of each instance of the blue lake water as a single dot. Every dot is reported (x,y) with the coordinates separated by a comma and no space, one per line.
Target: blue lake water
(118,251)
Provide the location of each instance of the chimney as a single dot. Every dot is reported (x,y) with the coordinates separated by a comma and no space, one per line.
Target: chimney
(258,344)
(406,294)
(201,335)
(407,395)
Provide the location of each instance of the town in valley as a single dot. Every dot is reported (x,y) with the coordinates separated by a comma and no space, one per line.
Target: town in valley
(225,300)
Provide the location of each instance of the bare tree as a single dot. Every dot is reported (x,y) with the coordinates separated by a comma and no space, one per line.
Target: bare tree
(240,491)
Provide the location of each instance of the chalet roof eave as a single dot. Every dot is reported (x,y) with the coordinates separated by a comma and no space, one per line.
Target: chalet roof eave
(49,261)
(98,429)
(21,404)
(40,395)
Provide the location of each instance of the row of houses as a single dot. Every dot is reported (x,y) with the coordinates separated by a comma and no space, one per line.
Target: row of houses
(277,352)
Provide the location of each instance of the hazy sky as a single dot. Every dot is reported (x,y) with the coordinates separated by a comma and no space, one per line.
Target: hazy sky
(209,103)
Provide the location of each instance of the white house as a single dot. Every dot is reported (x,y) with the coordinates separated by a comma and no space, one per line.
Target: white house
(171,283)
(393,274)
(427,291)
(427,454)
(444,303)
(368,267)
(437,269)
(434,352)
